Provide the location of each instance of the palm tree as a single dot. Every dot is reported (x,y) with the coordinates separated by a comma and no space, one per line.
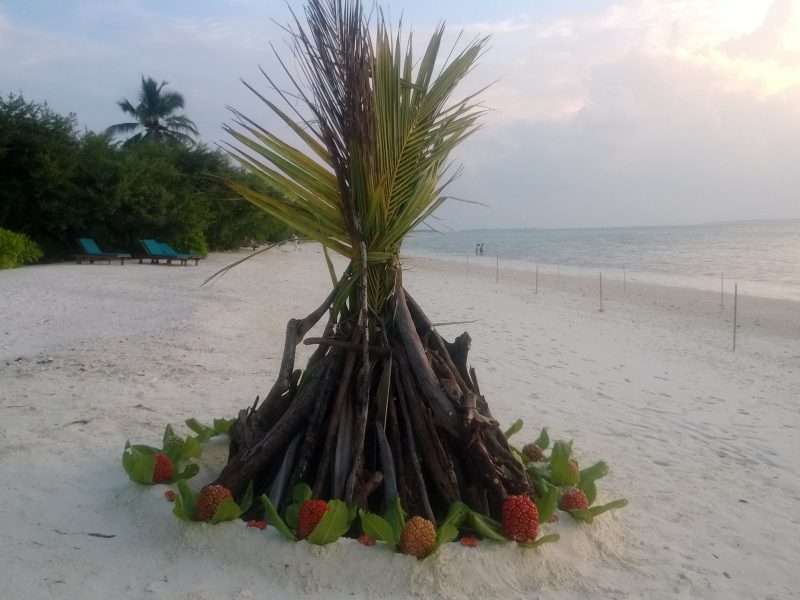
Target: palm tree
(385,403)
(154,114)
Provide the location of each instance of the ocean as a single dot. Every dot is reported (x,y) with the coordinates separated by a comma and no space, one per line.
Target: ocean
(763,258)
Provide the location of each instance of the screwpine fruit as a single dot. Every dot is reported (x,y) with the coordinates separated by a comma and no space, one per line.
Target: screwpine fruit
(209,499)
(418,537)
(519,519)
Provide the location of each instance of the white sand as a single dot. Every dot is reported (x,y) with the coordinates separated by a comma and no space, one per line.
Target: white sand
(702,441)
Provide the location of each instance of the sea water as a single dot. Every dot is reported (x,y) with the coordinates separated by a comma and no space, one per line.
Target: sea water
(763,258)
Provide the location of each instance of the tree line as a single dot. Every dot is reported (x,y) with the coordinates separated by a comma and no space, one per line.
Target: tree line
(58,184)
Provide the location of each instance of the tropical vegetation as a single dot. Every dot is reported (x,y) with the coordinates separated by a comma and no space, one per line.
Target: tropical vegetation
(155,115)
(58,184)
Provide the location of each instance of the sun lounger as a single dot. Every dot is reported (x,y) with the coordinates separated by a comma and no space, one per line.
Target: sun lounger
(92,252)
(170,251)
(156,252)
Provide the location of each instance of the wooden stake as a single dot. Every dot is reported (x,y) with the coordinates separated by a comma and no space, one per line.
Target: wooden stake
(601,292)
(623,279)
(735,299)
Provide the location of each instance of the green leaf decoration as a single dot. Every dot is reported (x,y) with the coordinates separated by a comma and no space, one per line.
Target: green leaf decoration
(539,482)
(291,514)
(222,426)
(301,493)
(446,533)
(247,500)
(185,501)
(190,448)
(179,510)
(457,514)
(587,515)
(543,441)
(188,472)
(171,443)
(547,539)
(588,477)
(139,463)
(561,474)
(275,520)
(486,526)
(204,432)
(396,517)
(333,525)
(515,428)
(227,510)
(378,528)
(547,503)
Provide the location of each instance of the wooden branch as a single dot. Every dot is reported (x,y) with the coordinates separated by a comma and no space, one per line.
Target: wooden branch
(362,384)
(333,424)
(442,408)
(387,465)
(246,466)
(282,478)
(417,479)
(346,345)
(296,329)
(433,456)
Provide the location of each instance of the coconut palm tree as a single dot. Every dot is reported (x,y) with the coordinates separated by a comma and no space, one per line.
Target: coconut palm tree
(155,115)
(385,404)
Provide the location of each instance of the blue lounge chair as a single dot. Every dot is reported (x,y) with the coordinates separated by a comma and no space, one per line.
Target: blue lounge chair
(92,252)
(170,251)
(156,252)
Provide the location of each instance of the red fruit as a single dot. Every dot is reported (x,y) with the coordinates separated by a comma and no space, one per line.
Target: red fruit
(573,499)
(257,524)
(418,537)
(366,540)
(209,499)
(519,519)
(309,516)
(469,541)
(169,495)
(162,470)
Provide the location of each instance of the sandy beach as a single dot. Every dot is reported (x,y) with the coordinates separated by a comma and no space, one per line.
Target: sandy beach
(701,440)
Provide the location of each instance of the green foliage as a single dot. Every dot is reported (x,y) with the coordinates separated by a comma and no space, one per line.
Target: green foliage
(590,513)
(333,525)
(59,185)
(17,249)
(379,529)
(562,475)
(514,429)
(274,519)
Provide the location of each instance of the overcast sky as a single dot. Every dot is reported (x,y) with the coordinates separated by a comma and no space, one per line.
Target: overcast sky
(636,112)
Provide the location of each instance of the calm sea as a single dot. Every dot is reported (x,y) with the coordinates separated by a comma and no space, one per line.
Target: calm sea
(763,257)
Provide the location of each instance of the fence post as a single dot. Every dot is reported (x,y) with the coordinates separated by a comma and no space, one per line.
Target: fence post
(624,282)
(601,292)
(735,302)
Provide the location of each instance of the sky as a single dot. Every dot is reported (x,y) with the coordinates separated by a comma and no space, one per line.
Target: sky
(626,113)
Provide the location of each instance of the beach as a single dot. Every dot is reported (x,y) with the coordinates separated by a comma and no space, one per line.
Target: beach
(701,440)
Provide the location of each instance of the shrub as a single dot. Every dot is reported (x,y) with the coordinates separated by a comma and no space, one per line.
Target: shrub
(17,249)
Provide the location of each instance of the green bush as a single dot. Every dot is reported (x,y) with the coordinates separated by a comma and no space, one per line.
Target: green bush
(17,249)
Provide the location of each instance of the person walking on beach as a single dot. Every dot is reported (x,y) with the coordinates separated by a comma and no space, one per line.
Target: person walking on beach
(477,249)
(295,242)
(481,249)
